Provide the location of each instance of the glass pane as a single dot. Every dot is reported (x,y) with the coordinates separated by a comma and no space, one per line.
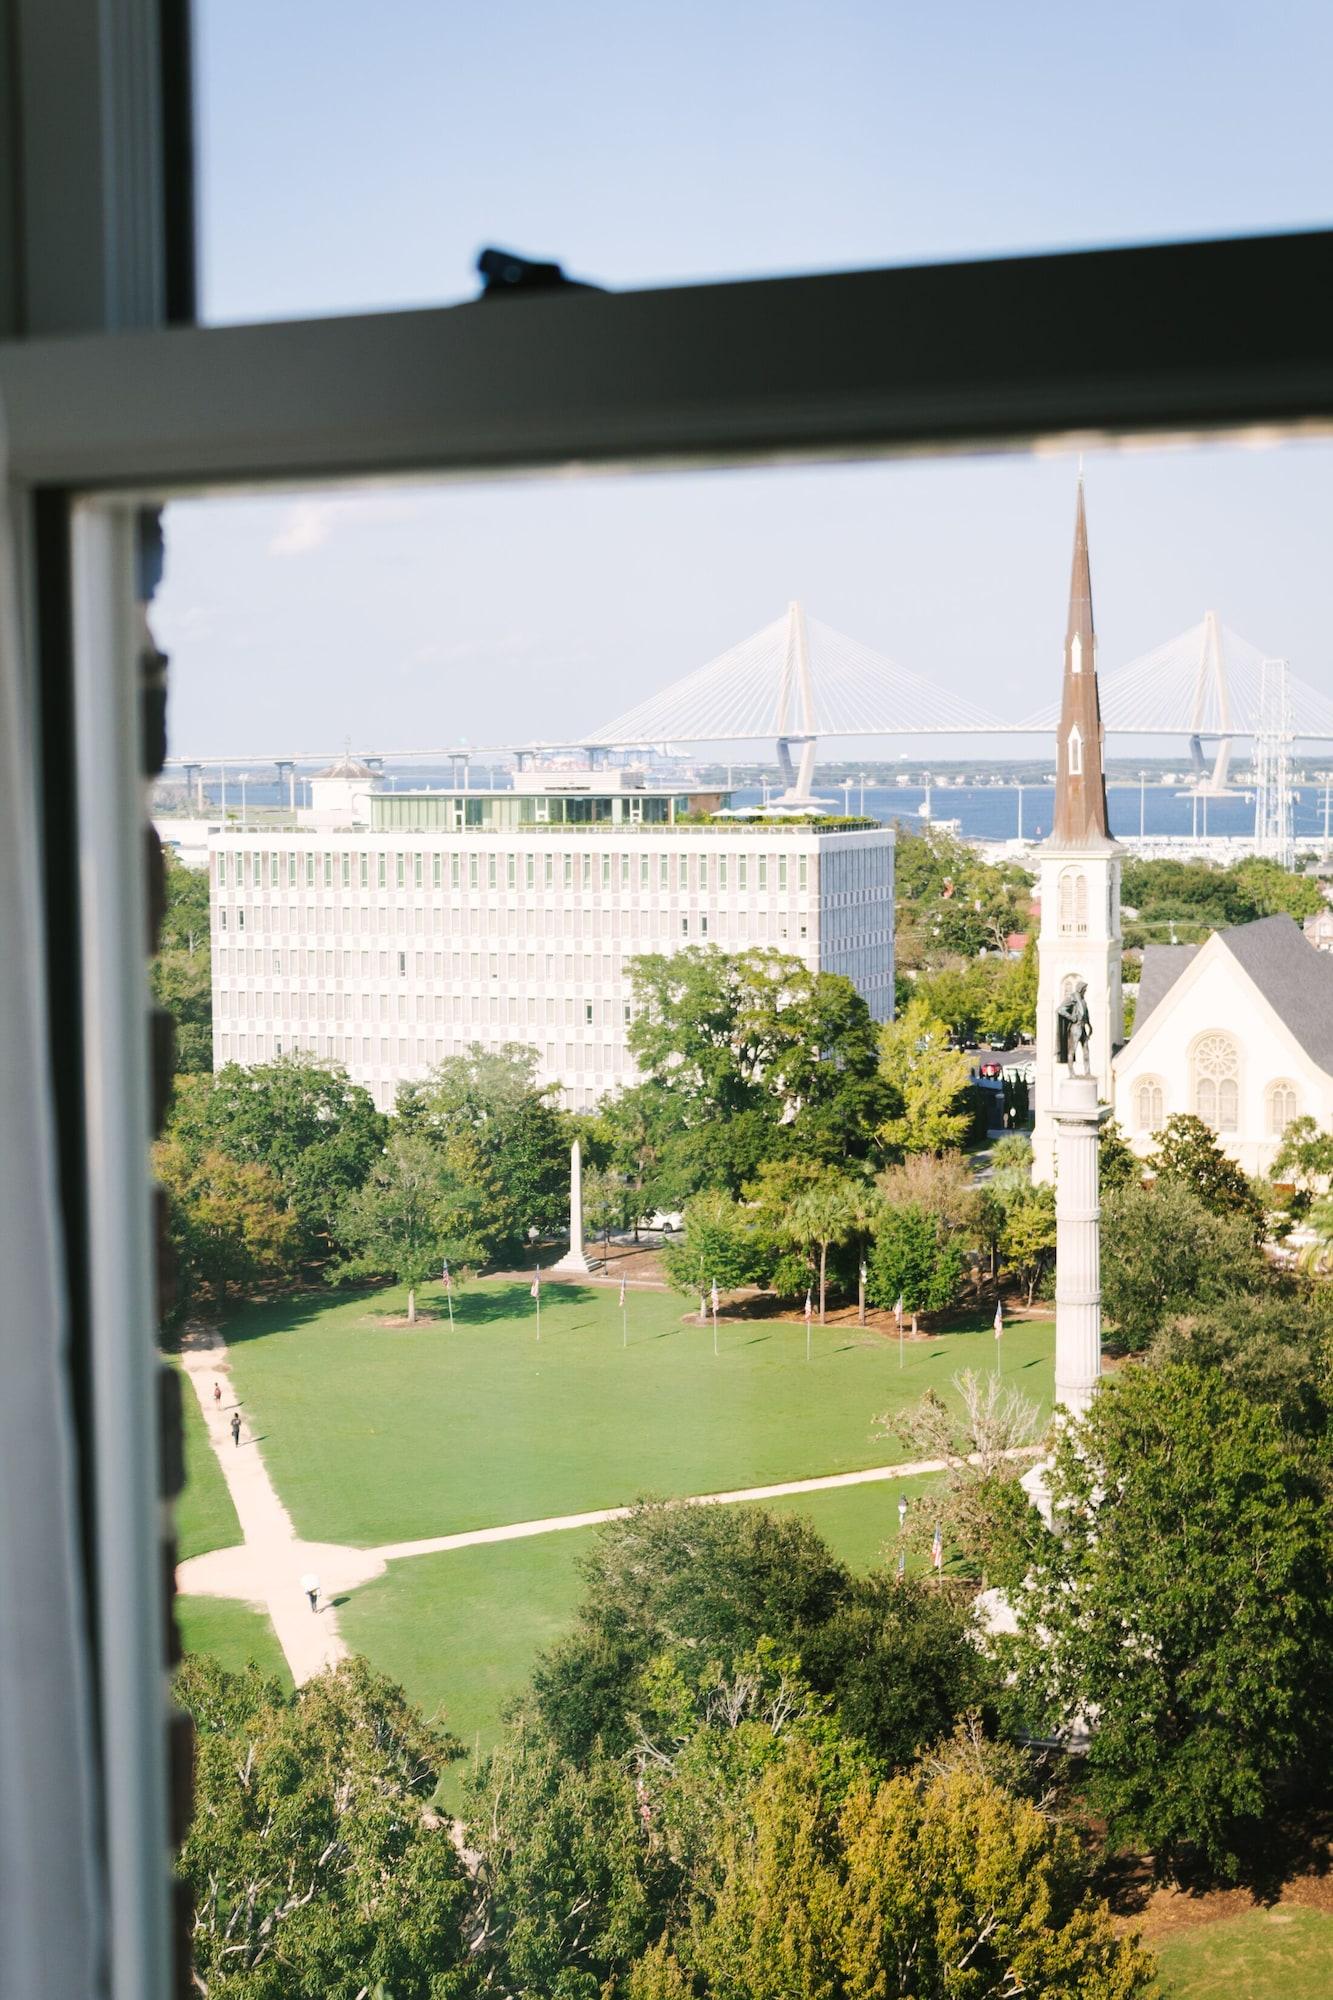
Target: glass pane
(353,161)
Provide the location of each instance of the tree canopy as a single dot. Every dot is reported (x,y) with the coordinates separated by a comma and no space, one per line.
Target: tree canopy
(1183,1601)
(315,1869)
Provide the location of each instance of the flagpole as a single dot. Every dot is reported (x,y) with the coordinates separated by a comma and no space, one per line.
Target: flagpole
(537,1295)
(715,1316)
(624,1317)
(449,1293)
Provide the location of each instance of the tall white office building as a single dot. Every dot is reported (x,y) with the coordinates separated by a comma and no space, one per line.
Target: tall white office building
(514,916)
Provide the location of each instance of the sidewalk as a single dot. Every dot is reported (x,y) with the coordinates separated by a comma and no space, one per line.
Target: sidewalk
(267,1568)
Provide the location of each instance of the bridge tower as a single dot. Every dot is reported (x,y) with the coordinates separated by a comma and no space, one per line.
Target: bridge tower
(1079,872)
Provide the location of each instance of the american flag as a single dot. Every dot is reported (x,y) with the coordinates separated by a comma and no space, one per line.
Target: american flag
(809,1308)
(898,1310)
(622,1291)
(999,1319)
(937,1547)
(536,1287)
(447,1285)
(714,1297)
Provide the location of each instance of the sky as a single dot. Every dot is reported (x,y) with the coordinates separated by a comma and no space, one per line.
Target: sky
(355,159)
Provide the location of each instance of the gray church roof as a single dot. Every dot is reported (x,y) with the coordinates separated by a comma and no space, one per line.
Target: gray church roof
(1295,979)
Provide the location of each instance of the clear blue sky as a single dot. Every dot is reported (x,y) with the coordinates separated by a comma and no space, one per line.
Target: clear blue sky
(356,158)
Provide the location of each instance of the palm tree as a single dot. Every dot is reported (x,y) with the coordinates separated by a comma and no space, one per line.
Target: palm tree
(826,1213)
(1317,1257)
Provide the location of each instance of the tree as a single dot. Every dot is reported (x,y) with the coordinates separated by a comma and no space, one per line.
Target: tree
(230,1224)
(1027,1235)
(941,1185)
(926,1885)
(1118,1165)
(1164,1254)
(1274,1345)
(1305,1155)
(828,1212)
(927,1081)
(984,1452)
(910,1259)
(950,903)
(181,974)
(410,1215)
(1183,1600)
(1186,1151)
(564,1902)
(719,1246)
(1272,890)
(306,1121)
(501,1135)
(753,1050)
(313,1864)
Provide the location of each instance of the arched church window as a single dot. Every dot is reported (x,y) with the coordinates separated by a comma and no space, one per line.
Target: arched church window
(1075,752)
(1216,1066)
(1149,1104)
(1073,900)
(1281,1107)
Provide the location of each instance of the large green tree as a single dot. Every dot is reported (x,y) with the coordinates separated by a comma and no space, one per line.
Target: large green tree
(230,1224)
(1182,1606)
(950,903)
(939,1883)
(303,1119)
(315,1867)
(410,1214)
(1164,1253)
(927,1082)
(1186,1151)
(502,1136)
(181,974)
(749,1052)
(720,1245)
(912,1258)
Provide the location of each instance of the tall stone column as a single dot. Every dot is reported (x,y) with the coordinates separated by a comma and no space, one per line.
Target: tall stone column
(1078,1227)
(574,1259)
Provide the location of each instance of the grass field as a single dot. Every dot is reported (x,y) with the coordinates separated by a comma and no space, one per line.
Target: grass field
(1279,1954)
(235,1635)
(375,1434)
(205,1517)
(460,1631)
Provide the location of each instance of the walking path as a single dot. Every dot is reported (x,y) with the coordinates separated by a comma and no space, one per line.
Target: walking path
(266,1569)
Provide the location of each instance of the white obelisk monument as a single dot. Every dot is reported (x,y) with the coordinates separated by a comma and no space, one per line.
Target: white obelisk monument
(574,1260)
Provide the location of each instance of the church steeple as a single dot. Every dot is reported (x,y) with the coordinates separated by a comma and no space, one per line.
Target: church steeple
(1080,784)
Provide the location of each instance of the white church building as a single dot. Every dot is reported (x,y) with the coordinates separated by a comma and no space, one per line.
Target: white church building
(1238,1030)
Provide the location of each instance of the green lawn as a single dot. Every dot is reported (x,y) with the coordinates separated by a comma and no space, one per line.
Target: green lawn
(205,1517)
(1280,1954)
(234,1634)
(460,1631)
(376,1434)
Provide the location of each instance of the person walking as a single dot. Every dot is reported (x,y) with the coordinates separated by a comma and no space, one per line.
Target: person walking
(310,1585)
(235,1426)
(217,1392)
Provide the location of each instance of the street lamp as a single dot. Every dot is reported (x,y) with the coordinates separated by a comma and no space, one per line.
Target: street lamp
(1143,779)
(863,794)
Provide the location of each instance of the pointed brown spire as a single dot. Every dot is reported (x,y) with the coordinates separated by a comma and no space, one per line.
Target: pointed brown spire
(1080,785)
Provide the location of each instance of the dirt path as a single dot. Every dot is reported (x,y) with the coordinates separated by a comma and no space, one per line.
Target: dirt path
(267,1568)
(553,1524)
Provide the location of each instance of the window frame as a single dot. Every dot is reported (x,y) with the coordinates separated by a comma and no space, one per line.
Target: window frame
(1206,340)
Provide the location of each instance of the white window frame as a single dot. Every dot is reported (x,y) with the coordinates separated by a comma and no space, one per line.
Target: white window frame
(1207,339)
